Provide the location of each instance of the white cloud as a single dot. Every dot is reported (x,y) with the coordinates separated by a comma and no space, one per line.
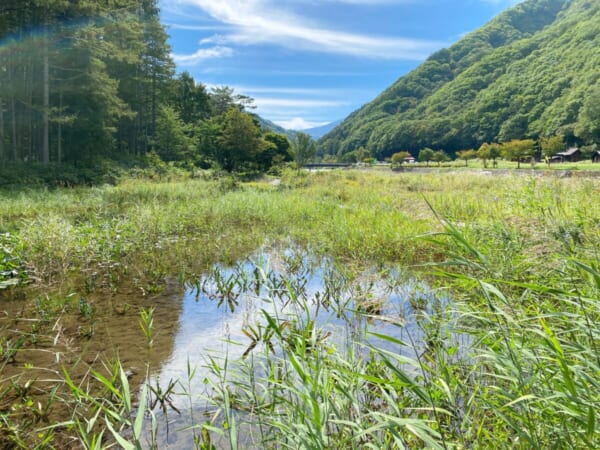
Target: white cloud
(321,93)
(268,102)
(202,55)
(262,22)
(314,112)
(298,123)
(181,26)
(250,90)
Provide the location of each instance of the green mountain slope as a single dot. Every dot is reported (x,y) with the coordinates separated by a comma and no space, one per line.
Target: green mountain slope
(267,125)
(532,71)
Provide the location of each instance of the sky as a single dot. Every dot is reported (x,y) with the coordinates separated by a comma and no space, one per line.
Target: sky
(310,62)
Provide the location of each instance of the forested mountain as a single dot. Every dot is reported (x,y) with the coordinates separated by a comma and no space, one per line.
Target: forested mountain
(532,71)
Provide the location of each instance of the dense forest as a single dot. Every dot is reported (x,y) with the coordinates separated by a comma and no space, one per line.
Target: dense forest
(532,72)
(82,82)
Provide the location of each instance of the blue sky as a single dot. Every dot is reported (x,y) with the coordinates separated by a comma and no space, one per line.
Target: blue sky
(310,62)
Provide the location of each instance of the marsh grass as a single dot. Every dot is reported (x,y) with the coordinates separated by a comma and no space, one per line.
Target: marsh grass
(517,255)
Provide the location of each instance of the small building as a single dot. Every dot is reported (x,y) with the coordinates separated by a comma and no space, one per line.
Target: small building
(410,160)
(572,154)
(596,156)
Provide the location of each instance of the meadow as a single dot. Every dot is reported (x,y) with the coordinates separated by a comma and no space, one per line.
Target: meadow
(517,255)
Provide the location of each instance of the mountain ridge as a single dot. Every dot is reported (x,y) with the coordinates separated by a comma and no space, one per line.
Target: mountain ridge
(523,74)
(317,132)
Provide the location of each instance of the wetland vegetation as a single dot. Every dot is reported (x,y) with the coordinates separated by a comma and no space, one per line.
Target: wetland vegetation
(498,345)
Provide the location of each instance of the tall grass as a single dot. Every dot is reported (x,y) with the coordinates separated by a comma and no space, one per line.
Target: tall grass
(512,361)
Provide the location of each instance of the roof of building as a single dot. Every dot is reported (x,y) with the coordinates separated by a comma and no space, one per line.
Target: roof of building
(569,152)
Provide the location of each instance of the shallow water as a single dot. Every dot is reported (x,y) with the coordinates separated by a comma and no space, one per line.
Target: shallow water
(287,285)
(208,319)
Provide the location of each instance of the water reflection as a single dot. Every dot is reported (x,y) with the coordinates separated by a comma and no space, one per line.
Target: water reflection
(223,319)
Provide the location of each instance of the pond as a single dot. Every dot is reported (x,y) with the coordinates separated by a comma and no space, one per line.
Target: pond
(224,319)
(186,345)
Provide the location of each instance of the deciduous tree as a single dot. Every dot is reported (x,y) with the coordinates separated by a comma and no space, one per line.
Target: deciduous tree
(426,155)
(518,150)
(398,158)
(304,148)
(466,155)
(551,146)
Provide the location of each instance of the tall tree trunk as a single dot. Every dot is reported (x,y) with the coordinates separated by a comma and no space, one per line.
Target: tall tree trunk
(1,131)
(13,118)
(59,134)
(13,126)
(46,105)
(29,118)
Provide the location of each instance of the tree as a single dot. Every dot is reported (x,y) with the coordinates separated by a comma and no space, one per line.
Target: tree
(466,155)
(171,142)
(240,142)
(399,158)
(518,150)
(426,155)
(304,148)
(440,156)
(551,146)
(362,154)
(1,131)
(209,136)
(191,100)
(89,83)
(277,152)
(489,151)
(484,153)
(222,99)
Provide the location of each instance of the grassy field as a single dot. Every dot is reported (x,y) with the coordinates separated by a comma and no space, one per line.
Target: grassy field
(580,166)
(518,255)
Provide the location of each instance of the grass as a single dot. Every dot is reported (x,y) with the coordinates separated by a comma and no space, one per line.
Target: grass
(518,254)
(578,166)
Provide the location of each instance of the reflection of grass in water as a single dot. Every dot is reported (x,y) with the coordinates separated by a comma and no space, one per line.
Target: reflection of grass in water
(519,254)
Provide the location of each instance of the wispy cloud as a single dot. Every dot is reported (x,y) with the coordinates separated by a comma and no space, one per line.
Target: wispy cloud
(285,104)
(298,123)
(263,22)
(282,110)
(267,102)
(273,91)
(202,55)
(182,26)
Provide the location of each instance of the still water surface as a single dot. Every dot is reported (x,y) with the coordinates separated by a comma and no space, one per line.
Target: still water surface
(346,304)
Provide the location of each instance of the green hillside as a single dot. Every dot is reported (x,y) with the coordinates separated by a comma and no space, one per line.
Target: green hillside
(532,71)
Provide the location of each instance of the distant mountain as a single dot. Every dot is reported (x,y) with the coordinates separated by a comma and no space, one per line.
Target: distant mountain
(532,71)
(317,132)
(266,124)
